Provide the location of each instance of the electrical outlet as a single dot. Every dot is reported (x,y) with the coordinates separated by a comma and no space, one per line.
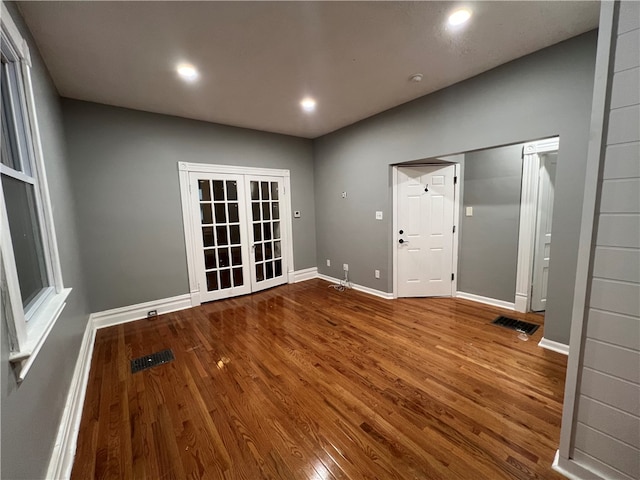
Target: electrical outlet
(328,262)
(152,313)
(344,194)
(345,267)
(377,273)
(378,215)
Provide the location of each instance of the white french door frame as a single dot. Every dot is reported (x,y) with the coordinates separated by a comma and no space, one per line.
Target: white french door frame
(528,213)
(184,169)
(456,221)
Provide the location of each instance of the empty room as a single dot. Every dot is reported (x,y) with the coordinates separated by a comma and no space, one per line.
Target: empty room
(320,240)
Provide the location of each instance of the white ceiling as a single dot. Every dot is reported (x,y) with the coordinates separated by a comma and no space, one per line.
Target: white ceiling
(258,59)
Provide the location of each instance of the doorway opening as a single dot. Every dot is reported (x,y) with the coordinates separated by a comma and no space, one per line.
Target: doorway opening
(536,214)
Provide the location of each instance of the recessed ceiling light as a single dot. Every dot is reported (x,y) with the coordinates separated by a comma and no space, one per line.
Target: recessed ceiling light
(460,16)
(187,72)
(308,104)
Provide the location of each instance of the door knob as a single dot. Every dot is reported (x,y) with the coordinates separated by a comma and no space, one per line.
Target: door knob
(401,241)
(401,232)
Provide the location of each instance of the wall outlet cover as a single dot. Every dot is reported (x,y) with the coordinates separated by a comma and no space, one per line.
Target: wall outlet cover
(296,214)
(345,267)
(377,273)
(378,215)
(328,262)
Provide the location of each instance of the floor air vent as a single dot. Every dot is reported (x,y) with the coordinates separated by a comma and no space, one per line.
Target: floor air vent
(148,361)
(517,325)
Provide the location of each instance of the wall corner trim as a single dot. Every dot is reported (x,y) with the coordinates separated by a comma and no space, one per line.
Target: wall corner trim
(305,274)
(486,300)
(554,346)
(116,316)
(64,450)
(359,288)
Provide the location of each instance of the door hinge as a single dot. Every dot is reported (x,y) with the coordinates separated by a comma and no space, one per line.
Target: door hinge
(455,180)
(454,229)
(453,275)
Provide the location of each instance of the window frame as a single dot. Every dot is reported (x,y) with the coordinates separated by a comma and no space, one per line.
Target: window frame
(28,327)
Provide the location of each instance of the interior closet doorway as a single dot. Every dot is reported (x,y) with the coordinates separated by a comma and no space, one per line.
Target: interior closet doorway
(237,223)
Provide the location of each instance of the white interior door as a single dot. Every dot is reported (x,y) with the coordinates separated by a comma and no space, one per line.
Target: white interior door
(424,240)
(221,241)
(266,232)
(544,216)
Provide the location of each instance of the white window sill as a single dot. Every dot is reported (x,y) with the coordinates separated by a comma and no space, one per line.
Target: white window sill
(38,328)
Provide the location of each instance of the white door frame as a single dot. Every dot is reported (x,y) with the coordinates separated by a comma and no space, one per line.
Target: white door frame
(184,168)
(456,221)
(528,210)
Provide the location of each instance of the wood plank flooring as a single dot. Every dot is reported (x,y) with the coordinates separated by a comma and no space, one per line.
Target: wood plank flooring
(305,382)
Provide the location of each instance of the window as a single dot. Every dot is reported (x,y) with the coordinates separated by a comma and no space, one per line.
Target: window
(32,291)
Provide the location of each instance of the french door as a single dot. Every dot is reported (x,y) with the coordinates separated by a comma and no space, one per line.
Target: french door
(239,237)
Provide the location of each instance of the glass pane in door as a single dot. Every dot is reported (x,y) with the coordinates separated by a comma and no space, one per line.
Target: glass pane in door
(220,225)
(265,208)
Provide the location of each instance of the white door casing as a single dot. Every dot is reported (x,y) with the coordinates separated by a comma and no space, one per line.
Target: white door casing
(527,226)
(425,216)
(548,162)
(196,219)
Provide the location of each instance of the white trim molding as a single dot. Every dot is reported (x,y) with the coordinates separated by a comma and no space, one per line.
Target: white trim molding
(359,288)
(571,469)
(64,449)
(305,274)
(486,300)
(558,347)
(116,316)
(528,211)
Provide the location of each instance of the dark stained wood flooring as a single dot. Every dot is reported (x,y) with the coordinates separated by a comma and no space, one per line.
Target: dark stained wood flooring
(305,382)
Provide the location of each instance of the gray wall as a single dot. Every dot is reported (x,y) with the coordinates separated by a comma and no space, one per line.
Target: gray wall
(607,426)
(541,95)
(32,410)
(125,182)
(488,242)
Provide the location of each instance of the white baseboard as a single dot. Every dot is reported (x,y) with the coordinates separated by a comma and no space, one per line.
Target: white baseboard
(305,274)
(64,449)
(571,469)
(555,346)
(359,288)
(486,300)
(116,316)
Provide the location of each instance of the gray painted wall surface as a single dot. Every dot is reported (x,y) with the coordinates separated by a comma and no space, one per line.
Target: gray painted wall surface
(607,428)
(32,410)
(541,95)
(125,182)
(488,242)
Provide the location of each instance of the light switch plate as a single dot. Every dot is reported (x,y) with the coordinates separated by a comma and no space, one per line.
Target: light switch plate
(469,211)
(378,215)
(296,214)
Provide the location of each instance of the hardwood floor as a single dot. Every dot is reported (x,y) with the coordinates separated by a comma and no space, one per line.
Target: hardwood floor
(305,382)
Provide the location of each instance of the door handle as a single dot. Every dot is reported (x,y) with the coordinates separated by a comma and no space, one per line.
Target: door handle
(403,241)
